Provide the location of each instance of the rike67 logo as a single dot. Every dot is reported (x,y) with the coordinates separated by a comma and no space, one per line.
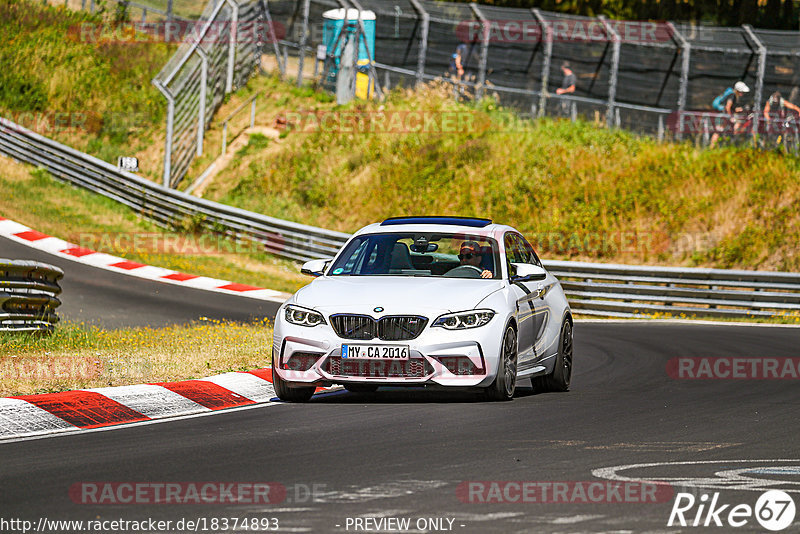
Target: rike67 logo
(774,510)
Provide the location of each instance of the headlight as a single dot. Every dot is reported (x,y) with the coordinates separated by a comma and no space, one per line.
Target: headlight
(465,319)
(303,317)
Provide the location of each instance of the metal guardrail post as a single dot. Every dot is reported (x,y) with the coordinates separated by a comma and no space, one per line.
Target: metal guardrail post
(253,112)
(485,34)
(169,10)
(760,68)
(547,35)
(303,38)
(201,112)
(683,88)
(170,123)
(233,38)
(423,39)
(612,75)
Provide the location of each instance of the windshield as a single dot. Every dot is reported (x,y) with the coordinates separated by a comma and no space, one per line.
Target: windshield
(419,254)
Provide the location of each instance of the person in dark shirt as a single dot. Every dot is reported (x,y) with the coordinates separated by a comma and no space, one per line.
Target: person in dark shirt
(568,84)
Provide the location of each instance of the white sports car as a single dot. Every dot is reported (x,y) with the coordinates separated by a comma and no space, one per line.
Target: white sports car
(411,301)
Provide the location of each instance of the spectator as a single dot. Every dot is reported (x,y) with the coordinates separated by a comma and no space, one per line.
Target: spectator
(567,85)
(778,106)
(728,103)
(457,61)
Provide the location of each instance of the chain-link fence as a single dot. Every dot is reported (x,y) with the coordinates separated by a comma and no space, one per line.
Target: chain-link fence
(217,55)
(658,78)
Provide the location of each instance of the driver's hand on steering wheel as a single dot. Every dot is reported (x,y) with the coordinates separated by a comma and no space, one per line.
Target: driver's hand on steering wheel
(486,274)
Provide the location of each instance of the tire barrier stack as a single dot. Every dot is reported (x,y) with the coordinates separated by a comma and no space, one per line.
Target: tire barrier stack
(28,296)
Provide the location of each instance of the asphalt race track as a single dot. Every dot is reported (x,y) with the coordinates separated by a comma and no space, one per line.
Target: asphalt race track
(405,453)
(116,300)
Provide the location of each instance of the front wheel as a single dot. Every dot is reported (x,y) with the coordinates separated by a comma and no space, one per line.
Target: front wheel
(502,389)
(291,394)
(561,376)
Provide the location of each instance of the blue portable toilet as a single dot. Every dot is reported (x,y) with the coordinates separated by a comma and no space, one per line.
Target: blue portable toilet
(338,19)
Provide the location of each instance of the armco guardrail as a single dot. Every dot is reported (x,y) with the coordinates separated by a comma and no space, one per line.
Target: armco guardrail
(166,206)
(28,291)
(630,291)
(593,289)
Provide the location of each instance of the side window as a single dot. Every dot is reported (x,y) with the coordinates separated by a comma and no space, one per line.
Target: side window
(534,259)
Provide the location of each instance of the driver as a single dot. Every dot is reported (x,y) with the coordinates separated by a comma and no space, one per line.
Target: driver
(471,255)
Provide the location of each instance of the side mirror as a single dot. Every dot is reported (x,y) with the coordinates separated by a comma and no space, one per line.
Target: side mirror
(526,272)
(315,267)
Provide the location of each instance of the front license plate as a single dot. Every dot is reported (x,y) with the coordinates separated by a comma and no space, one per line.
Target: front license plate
(375,352)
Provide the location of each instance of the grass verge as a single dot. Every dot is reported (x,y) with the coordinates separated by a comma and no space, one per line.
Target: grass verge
(77,356)
(578,191)
(34,198)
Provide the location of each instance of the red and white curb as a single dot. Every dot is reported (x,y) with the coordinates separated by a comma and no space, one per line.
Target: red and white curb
(29,416)
(53,245)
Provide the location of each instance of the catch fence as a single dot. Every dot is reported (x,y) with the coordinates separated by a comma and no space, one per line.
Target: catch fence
(639,75)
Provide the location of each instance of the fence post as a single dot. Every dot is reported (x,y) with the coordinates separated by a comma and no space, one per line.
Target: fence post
(273,37)
(253,112)
(201,113)
(423,39)
(169,10)
(612,76)
(362,34)
(170,121)
(485,33)
(683,88)
(303,38)
(91,6)
(548,55)
(144,15)
(232,38)
(760,67)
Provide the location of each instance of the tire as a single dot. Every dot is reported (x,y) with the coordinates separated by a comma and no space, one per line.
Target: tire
(361,388)
(504,385)
(291,394)
(561,376)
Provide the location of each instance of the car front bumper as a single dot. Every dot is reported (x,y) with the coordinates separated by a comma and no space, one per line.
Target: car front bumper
(459,358)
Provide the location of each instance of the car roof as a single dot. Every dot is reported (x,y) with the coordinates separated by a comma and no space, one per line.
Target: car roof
(433,226)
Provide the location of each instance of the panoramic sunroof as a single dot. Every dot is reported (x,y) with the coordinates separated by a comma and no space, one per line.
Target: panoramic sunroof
(454,221)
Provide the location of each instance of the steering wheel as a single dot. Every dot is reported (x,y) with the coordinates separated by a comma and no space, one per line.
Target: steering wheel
(464,271)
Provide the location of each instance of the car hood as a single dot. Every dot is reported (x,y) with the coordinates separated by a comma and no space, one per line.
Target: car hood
(396,295)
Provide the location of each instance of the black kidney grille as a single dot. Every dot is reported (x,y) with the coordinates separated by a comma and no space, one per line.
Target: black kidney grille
(401,327)
(390,328)
(353,326)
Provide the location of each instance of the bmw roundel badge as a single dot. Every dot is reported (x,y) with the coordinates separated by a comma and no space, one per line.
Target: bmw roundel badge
(378,309)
